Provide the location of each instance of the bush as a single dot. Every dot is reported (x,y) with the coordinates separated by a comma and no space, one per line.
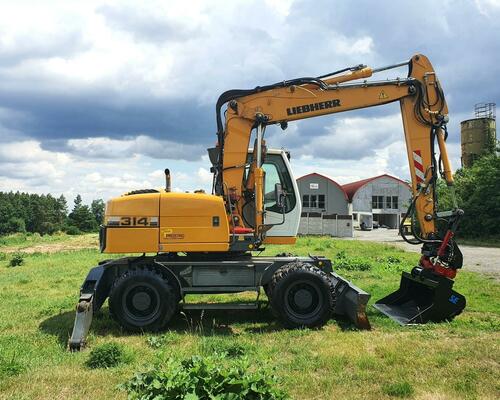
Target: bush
(398,389)
(107,355)
(72,230)
(220,346)
(393,260)
(159,341)
(17,259)
(48,228)
(16,225)
(204,378)
(342,261)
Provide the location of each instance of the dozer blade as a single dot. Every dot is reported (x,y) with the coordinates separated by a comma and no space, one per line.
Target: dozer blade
(422,299)
(351,302)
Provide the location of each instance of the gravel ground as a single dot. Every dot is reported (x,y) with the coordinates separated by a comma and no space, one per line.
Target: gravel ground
(481,259)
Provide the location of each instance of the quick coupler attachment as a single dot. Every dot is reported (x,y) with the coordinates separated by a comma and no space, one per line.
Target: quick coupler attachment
(422,298)
(351,302)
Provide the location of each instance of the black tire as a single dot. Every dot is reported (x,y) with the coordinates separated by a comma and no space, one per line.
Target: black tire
(142,300)
(267,291)
(302,295)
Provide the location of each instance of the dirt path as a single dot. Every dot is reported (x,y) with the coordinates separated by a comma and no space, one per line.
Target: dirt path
(46,248)
(481,259)
(77,242)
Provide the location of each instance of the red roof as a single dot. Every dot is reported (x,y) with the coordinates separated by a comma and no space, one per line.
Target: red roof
(351,188)
(327,178)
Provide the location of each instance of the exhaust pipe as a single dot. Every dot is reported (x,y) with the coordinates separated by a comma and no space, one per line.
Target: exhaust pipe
(168,186)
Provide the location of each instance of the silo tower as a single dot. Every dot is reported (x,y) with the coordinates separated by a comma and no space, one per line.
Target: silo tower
(478,134)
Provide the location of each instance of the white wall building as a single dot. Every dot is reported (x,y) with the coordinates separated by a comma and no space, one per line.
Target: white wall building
(385,197)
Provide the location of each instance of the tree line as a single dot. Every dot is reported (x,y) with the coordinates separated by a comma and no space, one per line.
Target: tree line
(46,214)
(477,192)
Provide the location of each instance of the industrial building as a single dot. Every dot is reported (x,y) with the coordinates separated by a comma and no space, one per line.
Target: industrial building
(334,209)
(321,194)
(478,135)
(382,197)
(325,207)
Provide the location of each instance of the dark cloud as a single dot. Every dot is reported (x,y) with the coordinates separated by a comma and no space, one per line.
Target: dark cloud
(52,118)
(41,46)
(461,41)
(106,148)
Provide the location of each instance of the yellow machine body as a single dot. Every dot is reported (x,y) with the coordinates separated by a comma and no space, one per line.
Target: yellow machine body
(166,222)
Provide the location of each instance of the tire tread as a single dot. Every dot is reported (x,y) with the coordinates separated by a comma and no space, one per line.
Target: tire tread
(171,293)
(293,268)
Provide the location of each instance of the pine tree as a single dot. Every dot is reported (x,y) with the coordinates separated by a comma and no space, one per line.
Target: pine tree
(82,217)
(62,209)
(97,208)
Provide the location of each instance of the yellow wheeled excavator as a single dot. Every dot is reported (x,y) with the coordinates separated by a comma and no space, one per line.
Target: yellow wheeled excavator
(197,243)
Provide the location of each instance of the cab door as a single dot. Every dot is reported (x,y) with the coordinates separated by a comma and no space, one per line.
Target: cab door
(277,170)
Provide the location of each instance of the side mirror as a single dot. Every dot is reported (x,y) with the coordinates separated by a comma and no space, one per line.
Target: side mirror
(279,195)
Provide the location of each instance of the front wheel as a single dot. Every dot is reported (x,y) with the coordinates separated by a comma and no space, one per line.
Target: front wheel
(302,295)
(142,299)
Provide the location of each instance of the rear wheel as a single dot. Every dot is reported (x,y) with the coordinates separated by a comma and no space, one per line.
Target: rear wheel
(142,300)
(267,291)
(302,295)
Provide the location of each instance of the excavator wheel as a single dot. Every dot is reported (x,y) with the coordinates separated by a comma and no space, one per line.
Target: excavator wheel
(267,291)
(142,300)
(302,295)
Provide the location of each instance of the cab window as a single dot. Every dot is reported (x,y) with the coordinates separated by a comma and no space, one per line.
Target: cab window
(271,179)
(276,172)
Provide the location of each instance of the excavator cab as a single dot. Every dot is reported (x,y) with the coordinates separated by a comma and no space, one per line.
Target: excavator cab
(282,220)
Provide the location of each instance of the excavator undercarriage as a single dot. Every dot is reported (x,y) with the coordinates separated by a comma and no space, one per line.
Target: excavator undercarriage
(145,292)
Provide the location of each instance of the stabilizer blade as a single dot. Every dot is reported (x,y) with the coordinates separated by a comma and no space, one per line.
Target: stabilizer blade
(351,302)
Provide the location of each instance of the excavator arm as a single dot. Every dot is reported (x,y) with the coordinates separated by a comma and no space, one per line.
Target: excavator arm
(424,113)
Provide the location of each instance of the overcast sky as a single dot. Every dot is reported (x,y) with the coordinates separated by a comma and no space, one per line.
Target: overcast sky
(99,97)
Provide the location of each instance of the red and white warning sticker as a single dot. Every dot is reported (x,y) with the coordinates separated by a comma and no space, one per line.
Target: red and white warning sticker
(419,167)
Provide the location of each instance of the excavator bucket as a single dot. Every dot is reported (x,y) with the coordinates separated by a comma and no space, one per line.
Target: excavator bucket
(422,299)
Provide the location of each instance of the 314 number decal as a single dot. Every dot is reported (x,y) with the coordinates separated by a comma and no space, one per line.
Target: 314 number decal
(134,221)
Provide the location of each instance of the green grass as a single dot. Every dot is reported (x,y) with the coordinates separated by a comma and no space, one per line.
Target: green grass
(456,360)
